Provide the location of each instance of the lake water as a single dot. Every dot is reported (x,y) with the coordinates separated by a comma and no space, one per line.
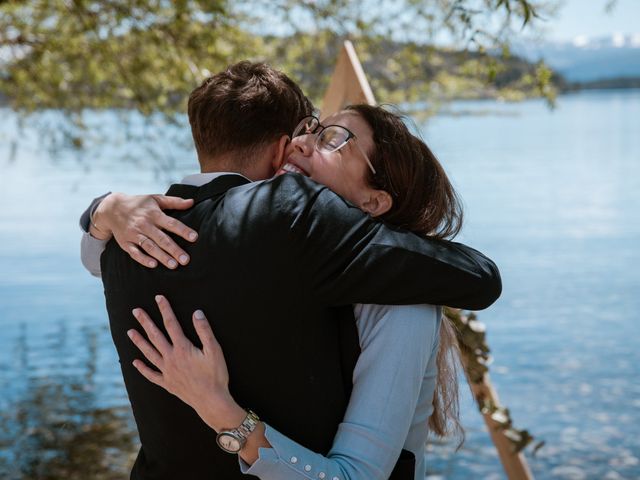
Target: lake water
(552,196)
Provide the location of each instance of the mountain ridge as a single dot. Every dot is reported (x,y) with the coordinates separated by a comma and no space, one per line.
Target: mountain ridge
(587,59)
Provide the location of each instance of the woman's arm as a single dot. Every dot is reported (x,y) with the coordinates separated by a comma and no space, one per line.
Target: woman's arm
(397,343)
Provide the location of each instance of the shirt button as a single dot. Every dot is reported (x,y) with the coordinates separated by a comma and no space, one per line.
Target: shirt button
(321,475)
(307,468)
(335,478)
(294,460)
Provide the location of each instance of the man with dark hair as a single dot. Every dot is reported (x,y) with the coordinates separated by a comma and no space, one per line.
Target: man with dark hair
(277,265)
(241,111)
(240,121)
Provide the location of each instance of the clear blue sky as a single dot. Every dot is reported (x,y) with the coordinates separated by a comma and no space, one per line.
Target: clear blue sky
(588,17)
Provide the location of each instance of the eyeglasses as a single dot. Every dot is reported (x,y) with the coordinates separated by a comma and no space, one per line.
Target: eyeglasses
(329,138)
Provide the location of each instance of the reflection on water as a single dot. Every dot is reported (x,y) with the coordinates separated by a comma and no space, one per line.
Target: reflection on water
(56,429)
(552,197)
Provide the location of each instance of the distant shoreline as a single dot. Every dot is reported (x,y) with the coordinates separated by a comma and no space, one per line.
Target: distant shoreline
(617,83)
(604,85)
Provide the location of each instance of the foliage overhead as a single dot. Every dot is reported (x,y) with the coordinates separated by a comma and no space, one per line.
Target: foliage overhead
(137,54)
(149,54)
(146,56)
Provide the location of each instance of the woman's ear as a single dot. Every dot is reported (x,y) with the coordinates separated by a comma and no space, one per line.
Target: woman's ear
(378,203)
(278,155)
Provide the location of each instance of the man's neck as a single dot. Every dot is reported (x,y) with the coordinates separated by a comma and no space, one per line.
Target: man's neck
(256,170)
(223,170)
(224,165)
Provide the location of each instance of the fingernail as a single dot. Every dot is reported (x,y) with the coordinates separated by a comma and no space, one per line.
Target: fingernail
(193,236)
(135,312)
(173,263)
(130,333)
(184,259)
(199,314)
(152,264)
(158,298)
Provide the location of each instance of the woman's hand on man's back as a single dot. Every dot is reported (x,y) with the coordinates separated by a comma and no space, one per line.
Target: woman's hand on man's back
(138,224)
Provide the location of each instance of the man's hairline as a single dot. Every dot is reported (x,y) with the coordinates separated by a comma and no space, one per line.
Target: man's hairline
(237,157)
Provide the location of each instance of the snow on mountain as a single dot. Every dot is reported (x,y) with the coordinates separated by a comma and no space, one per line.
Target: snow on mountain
(585,59)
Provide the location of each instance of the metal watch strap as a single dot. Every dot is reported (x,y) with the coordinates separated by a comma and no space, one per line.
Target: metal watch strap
(240,433)
(248,425)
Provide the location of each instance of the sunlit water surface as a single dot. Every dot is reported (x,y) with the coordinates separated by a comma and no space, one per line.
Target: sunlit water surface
(553,197)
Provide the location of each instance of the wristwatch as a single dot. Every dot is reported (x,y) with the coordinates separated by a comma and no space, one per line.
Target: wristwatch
(232,441)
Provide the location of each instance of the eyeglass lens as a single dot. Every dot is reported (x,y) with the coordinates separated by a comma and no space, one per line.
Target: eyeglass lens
(332,138)
(329,139)
(306,126)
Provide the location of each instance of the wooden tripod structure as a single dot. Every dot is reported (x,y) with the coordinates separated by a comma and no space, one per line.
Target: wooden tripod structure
(349,85)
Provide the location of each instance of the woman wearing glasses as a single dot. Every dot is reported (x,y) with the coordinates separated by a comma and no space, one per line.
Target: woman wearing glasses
(405,382)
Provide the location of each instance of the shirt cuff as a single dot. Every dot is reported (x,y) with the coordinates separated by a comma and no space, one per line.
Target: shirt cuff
(91,249)
(85,218)
(271,464)
(265,466)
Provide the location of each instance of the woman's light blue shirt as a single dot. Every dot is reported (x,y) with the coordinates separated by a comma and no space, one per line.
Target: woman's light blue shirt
(393,385)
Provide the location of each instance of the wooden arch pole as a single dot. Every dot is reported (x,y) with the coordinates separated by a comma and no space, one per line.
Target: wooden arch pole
(349,85)
(514,463)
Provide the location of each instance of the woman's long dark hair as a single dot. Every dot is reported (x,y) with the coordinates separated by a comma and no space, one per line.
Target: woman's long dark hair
(425,202)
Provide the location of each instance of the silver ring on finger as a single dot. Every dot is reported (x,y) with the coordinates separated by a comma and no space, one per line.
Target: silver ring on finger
(141,241)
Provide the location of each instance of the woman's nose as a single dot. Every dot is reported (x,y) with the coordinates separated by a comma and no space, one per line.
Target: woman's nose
(303,144)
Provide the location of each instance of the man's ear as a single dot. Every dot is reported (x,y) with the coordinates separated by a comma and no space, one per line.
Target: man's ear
(278,154)
(378,203)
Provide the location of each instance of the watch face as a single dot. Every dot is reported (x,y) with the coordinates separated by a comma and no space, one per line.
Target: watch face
(228,442)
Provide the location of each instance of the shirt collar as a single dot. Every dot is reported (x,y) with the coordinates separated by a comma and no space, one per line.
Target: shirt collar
(199,179)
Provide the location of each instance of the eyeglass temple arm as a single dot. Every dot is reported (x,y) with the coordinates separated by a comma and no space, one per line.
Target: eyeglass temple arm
(366,157)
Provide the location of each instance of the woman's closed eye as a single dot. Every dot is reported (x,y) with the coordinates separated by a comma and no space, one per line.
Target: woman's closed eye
(332,140)
(333,143)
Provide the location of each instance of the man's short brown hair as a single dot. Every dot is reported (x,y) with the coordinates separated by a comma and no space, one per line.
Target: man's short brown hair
(244,108)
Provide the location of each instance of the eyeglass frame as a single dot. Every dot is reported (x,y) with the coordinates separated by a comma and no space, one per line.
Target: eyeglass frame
(350,136)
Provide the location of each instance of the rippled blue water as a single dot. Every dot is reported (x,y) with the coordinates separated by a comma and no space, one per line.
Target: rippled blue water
(553,197)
